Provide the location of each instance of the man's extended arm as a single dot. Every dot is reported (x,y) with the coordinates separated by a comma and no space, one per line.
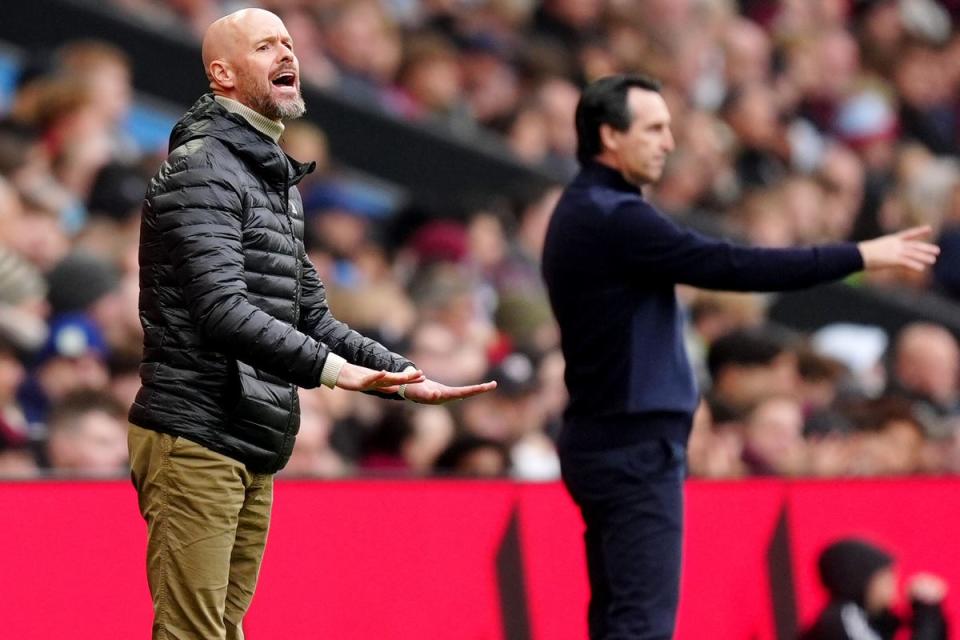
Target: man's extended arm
(317,321)
(648,243)
(199,221)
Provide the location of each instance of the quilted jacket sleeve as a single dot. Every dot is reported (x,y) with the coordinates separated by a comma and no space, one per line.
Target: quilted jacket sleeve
(317,321)
(198,213)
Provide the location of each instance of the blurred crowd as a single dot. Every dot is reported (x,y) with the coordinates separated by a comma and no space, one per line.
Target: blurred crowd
(796,122)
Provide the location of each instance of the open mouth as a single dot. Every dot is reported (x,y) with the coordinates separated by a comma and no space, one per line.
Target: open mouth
(285,79)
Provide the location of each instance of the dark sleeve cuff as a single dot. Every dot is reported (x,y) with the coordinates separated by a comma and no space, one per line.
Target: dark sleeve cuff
(840,259)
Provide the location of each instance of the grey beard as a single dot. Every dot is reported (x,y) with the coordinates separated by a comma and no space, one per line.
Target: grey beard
(289,110)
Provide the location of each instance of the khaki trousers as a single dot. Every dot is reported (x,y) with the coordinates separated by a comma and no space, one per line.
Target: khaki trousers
(207,520)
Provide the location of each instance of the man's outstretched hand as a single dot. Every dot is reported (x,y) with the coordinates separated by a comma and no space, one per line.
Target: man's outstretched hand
(904,249)
(416,386)
(432,392)
(356,378)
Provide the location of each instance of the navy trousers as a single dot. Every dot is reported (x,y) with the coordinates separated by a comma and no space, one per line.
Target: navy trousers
(631,498)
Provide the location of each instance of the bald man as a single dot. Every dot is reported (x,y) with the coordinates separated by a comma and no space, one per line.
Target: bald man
(926,370)
(235,318)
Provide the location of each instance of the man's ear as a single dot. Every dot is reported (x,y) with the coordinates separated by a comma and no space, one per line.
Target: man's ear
(222,74)
(609,138)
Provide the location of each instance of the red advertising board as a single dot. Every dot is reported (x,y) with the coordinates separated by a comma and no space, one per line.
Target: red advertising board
(459,560)
(402,560)
(918,520)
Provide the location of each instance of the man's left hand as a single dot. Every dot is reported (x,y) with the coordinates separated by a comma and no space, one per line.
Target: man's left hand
(432,392)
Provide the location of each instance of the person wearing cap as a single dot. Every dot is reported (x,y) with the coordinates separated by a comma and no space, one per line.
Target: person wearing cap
(73,358)
(611,262)
(861,582)
(85,282)
(235,318)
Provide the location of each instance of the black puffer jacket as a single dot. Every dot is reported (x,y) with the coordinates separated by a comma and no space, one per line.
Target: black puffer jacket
(233,312)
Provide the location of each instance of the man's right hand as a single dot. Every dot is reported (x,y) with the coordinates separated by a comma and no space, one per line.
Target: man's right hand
(904,249)
(356,378)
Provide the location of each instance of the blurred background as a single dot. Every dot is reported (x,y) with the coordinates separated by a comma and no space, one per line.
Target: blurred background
(443,133)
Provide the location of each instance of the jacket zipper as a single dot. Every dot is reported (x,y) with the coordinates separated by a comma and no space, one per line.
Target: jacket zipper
(296,306)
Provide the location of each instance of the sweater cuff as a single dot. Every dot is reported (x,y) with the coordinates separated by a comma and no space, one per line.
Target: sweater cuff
(841,259)
(331,370)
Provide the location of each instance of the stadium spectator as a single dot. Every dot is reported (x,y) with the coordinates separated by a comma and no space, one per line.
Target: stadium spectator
(514,417)
(432,431)
(861,580)
(72,359)
(113,206)
(746,367)
(313,454)
(87,435)
(365,48)
(106,71)
(31,226)
(476,456)
(23,304)
(861,349)
(895,441)
(773,443)
(445,355)
(15,455)
(926,371)
(714,451)
(431,84)
(839,81)
(88,284)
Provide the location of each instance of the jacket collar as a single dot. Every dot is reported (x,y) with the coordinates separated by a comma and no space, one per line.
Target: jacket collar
(273,129)
(208,118)
(596,173)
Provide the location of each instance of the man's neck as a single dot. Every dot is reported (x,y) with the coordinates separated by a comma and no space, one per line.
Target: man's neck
(613,165)
(273,129)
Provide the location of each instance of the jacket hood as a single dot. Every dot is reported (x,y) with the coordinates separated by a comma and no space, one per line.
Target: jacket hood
(208,118)
(847,565)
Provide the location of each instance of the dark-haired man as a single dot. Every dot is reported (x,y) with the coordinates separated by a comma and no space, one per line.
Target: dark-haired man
(611,261)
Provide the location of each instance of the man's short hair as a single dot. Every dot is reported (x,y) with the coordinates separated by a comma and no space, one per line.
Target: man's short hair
(744,348)
(66,413)
(604,101)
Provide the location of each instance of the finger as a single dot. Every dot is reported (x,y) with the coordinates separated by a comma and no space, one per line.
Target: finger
(409,376)
(916,232)
(924,247)
(457,393)
(396,378)
(915,265)
(923,256)
(371,378)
